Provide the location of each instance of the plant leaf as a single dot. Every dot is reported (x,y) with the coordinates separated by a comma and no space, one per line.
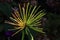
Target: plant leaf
(37,29)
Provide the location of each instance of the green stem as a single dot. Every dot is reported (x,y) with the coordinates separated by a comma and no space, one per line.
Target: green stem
(22,35)
(32,38)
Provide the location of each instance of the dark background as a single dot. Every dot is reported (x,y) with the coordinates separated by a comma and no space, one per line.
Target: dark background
(51,20)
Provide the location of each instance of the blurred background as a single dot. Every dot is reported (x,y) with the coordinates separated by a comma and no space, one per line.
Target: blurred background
(50,22)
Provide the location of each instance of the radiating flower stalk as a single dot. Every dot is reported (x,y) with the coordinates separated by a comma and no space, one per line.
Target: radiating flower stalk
(26,18)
